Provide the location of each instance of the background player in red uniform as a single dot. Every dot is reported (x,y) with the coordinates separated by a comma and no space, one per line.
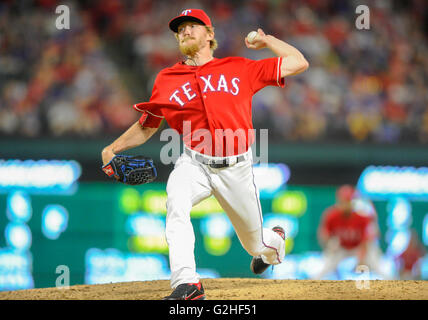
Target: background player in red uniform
(208,101)
(409,261)
(348,231)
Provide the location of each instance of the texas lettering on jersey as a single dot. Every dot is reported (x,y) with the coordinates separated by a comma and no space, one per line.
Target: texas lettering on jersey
(213,97)
(185,91)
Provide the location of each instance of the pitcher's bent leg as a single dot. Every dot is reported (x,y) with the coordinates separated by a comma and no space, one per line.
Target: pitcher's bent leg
(237,193)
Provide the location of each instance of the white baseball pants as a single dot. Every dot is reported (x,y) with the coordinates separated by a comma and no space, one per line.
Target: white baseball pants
(234,188)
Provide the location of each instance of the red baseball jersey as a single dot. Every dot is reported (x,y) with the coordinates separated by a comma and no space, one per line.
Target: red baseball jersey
(210,105)
(351,230)
(410,256)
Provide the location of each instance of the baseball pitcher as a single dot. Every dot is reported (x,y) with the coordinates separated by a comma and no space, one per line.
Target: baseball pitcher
(208,101)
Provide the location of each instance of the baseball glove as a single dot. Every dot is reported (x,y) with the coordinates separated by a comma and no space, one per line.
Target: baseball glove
(131,170)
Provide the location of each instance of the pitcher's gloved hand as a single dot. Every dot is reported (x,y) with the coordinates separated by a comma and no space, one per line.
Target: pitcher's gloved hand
(131,170)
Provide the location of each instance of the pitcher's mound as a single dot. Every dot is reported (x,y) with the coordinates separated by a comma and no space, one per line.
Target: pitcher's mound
(237,289)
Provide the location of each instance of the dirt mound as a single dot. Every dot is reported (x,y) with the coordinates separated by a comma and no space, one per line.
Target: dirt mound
(236,289)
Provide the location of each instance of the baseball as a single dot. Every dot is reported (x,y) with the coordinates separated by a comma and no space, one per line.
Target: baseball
(252,36)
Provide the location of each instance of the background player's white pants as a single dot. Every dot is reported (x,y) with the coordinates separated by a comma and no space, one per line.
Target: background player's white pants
(191,182)
(332,258)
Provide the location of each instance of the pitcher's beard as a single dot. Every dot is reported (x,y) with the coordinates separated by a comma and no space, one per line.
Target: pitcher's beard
(189,50)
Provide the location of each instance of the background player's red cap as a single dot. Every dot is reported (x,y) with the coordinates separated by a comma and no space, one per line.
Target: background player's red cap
(346,193)
(197,15)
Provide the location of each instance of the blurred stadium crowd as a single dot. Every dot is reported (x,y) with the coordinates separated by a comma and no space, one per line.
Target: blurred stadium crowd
(362,85)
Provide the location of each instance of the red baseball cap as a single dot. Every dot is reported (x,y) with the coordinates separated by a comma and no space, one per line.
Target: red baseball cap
(197,15)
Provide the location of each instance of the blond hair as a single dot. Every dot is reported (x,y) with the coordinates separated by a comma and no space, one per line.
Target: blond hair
(213,42)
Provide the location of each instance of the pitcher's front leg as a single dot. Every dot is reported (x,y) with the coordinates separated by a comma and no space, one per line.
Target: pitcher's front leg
(187,185)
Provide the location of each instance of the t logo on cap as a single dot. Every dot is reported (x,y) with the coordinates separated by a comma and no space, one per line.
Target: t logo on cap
(196,15)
